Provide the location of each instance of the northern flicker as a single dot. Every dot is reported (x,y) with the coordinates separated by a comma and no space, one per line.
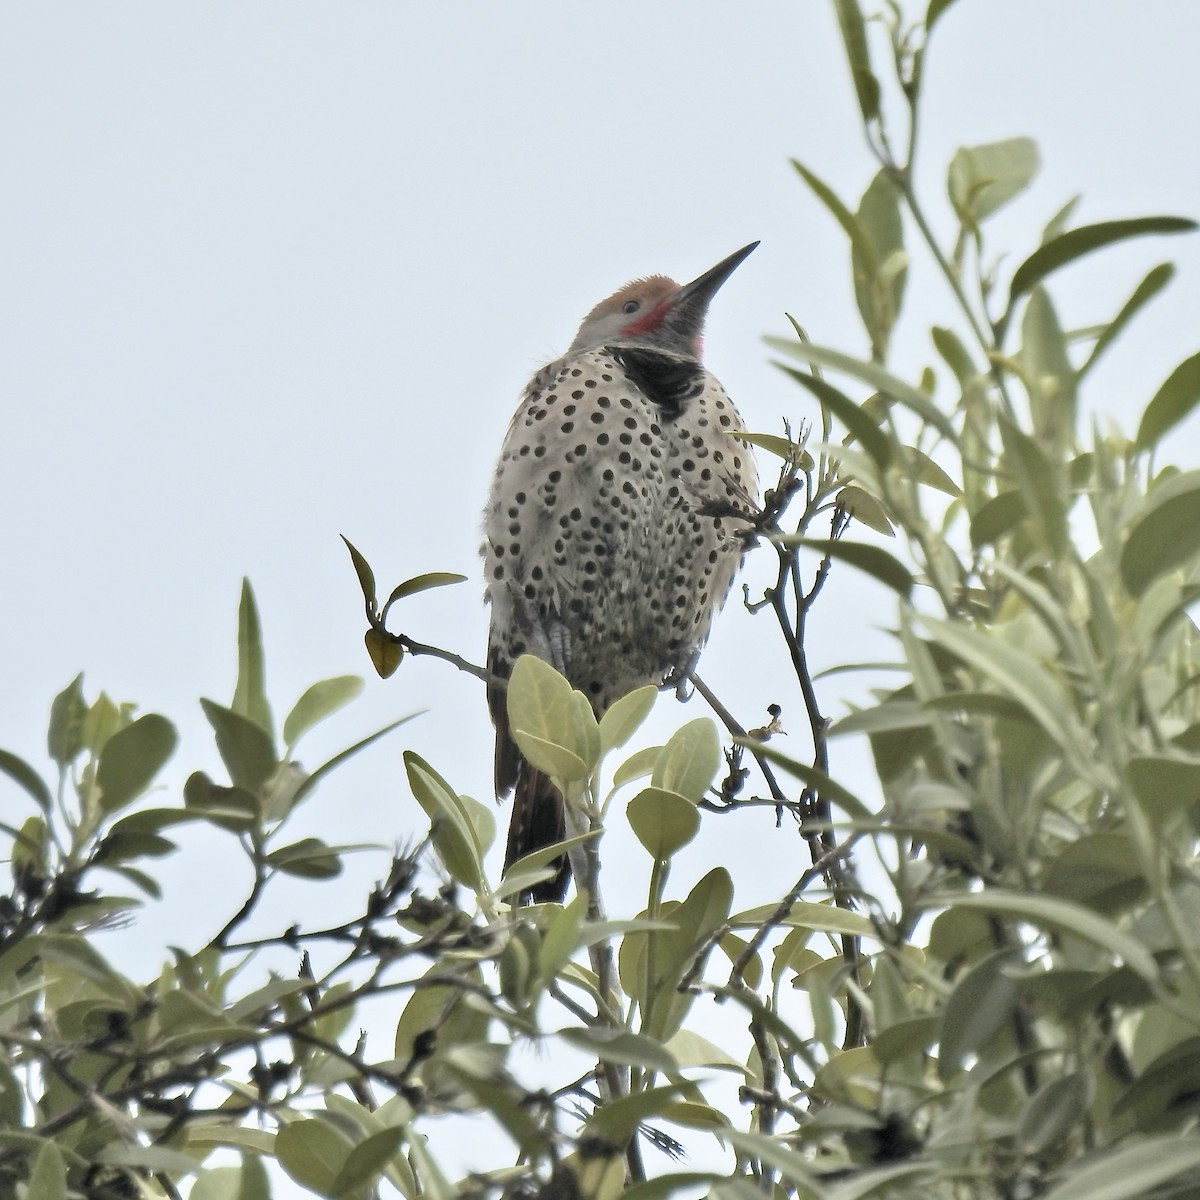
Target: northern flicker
(599,554)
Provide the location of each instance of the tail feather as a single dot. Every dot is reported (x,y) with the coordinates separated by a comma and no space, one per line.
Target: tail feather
(537,821)
(538,818)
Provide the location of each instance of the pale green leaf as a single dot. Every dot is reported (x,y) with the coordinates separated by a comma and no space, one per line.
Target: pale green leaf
(879,292)
(871,373)
(317,703)
(622,1047)
(854,38)
(245,747)
(1075,243)
(48,1179)
(689,761)
(22,774)
(663,821)
(1054,913)
(1177,397)
(1167,533)
(874,560)
(64,738)
(1020,676)
(624,716)
(858,422)
(1130,1173)
(250,695)
(313,1153)
(131,759)
(1157,278)
(984,178)
(859,240)
(866,509)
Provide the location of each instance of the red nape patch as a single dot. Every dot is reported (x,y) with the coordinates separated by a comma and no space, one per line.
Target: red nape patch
(647,322)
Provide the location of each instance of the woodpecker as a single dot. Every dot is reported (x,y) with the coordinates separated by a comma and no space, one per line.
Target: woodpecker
(611,533)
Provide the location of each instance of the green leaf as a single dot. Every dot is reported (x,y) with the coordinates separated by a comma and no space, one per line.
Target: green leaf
(955,354)
(1053,1112)
(984,178)
(826,787)
(621,1047)
(385,651)
(48,1179)
(999,516)
(366,577)
(309,858)
(874,560)
(926,471)
(231,808)
(313,1152)
(805,915)
(977,1010)
(1130,1173)
(1075,243)
(879,291)
(245,747)
(103,719)
(663,1186)
(250,695)
(881,1180)
(456,836)
(1054,913)
(132,758)
(64,739)
(934,13)
(617,1119)
(1155,281)
(637,766)
(689,1049)
(548,726)
(535,863)
(663,821)
(549,757)
(859,240)
(326,767)
(22,774)
(246,1182)
(422,583)
(1040,480)
(1172,402)
(854,38)
(1022,677)
(1057,225)
(781,447)
(873,374)
(317,703)
(625,716)
(866,509)
(1050,378)
(1165,787)
(688,763)
(368,1159)
(1167,533)
(793,1167)
(858,422)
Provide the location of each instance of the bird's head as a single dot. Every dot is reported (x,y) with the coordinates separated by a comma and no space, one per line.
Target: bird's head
(656,312)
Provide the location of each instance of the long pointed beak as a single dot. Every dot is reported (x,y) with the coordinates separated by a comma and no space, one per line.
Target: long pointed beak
(686,308)
(695,297)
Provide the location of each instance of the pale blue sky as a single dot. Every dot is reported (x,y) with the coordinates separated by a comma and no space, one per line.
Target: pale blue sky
(277,271)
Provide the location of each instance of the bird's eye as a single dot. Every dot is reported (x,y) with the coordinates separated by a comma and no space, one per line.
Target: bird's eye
(630,307)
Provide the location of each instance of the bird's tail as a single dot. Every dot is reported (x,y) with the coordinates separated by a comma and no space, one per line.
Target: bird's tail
(537,821)
(538,818)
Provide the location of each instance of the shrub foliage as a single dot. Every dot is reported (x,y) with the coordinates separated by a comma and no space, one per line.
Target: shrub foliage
(1019,1014)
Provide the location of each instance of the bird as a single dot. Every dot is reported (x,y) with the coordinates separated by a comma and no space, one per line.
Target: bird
(615,523)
